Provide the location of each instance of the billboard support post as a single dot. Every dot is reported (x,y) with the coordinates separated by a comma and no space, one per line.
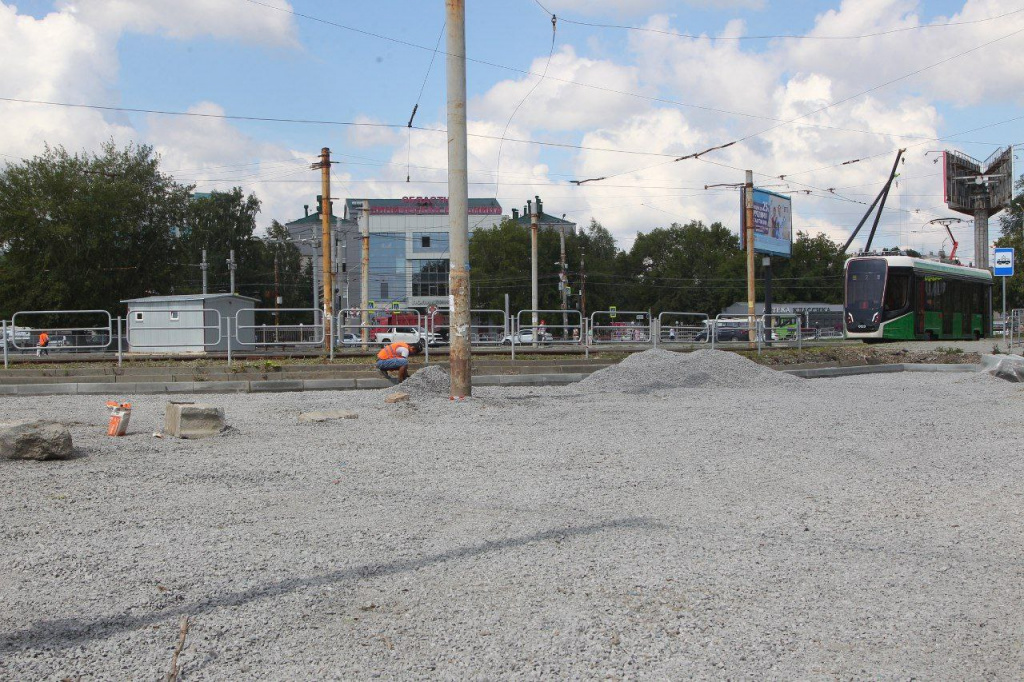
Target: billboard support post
(766,264)
(748,226)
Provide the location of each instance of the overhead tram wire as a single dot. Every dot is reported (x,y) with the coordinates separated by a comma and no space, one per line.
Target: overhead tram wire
(547,65)
(783,36)
(567,81)
(416,106)
(816,111)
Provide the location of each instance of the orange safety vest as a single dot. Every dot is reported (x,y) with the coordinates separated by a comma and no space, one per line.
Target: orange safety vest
(44,339)
(390,352)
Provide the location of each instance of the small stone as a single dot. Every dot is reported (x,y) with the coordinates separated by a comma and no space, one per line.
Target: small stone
(397,398)
(329,415)
(37,439)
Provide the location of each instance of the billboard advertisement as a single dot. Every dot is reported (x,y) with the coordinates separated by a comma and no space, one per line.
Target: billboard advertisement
(773,224)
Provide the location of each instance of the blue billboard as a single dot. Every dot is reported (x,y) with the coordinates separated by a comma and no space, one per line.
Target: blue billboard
(773,224)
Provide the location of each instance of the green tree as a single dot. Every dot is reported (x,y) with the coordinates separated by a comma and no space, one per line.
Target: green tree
(1011,225)
(85,231)
(220,223)
(814,272)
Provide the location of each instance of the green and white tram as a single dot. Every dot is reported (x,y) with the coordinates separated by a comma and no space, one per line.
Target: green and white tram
(904,298)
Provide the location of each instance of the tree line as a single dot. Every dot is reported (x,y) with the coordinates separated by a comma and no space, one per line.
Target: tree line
(86,231)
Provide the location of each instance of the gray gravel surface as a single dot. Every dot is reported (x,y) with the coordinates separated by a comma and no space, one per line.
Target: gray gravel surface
(863,527)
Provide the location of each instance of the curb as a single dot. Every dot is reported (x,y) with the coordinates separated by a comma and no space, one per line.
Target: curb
(828,372)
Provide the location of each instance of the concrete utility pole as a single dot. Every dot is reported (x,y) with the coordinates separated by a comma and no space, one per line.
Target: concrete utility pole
(231,269)
(460,353)
(204,266)
(325,238)
(562,283)
(748,190)
(981,238)
(534,300)
(277,291)
(364,272)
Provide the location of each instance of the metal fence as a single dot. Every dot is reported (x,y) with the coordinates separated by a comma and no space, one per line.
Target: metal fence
(22,336)
(488,328)
(679,327)
(261,334)
(1013,327)
(613,326)
(732,328)
(365,328)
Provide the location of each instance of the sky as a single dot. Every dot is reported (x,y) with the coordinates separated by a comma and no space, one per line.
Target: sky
(617,90)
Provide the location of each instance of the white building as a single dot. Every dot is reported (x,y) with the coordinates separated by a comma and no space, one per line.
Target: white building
(190,323)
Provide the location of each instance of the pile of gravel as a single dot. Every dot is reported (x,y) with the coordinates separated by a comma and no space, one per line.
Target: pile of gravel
(429,381)
(661,369)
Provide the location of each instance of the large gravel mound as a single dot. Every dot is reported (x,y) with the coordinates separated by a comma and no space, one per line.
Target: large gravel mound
(429,381)
(661,369)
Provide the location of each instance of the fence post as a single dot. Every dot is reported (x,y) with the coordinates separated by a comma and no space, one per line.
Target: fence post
(759,329)
(429,328)
(227,326)
(655,330)
(799,335)
(329,320)
(5,343)
(119,354)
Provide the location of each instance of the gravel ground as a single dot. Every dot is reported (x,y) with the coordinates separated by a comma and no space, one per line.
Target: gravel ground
(627,526)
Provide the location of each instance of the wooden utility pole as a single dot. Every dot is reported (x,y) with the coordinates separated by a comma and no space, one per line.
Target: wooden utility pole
(563,283)
(324,166)
(364,272)
(748,191)
(460,353)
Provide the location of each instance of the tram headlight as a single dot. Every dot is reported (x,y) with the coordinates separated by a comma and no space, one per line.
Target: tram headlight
(874,318)
(849,318)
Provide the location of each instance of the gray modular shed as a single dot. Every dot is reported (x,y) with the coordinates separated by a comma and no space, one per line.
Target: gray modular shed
(190,323)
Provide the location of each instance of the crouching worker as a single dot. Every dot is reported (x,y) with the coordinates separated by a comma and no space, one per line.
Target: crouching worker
(396,356)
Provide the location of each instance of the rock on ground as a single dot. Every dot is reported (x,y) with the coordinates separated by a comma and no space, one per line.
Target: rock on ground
(326,416)
(36,439)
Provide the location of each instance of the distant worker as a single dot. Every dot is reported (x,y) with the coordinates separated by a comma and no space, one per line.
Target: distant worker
(42,347)
(396,356)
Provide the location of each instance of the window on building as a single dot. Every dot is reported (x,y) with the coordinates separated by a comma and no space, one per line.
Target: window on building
(432,242)
(425,241)
(138,317)
(384,290)
(344,267)
(430,277)
(174,316)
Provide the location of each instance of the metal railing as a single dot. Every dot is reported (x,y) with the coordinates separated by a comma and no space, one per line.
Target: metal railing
(1013,327)
(544,334)
(677,327)
(481,333)
(732,328)
(263,334)
(354,331)
(96,337)
(786,334)
(618,326)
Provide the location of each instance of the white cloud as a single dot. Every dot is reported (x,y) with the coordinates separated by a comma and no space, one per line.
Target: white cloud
(232,19)
(637,7)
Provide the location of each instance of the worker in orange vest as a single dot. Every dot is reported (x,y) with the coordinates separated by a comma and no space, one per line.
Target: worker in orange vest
(396,356)
(44,341)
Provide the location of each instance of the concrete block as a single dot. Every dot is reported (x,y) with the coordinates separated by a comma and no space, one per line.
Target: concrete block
(275,386)
(105,388)
(47,389)
(220,387)
(373,383)
(193,420)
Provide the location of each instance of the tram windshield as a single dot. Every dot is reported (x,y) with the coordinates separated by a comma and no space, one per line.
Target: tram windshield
(865,283)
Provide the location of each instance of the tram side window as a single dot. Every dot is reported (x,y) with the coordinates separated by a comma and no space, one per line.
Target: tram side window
(934,289)
(897,292)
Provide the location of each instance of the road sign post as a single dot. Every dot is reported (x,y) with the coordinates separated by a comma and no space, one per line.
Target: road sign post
(1003,267)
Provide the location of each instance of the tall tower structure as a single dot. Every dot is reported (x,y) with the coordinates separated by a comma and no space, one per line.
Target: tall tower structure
(979,190)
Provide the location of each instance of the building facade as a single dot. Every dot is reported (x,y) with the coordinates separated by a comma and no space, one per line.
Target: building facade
(409,250)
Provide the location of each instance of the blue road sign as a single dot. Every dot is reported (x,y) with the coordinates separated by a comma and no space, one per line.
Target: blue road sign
(1003,263)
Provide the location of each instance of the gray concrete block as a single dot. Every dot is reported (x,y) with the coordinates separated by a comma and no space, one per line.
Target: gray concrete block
(193,420)
(220,387)
(275,386)
(373,383)
(328,384)
(46,389)
(105,388)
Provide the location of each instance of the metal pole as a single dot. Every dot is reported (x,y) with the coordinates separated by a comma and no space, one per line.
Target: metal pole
(5,343)
(316,277)
(766,265)
(1004,307)
(748,226)
(364,271)
(534,299)
(227,326)
(562,282)
(204,266)
(231,269)
(119,353)
(459,351)
(325,239)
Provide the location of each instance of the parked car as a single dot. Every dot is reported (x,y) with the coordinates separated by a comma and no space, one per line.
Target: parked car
(525,336)
(410,335)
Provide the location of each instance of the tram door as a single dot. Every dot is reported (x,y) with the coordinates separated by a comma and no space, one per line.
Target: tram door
(919,308)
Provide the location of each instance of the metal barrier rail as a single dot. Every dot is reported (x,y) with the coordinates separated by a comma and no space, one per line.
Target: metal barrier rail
(1013,329)
(722,322)
(479,334)
(318,327)
(205,328)
(572,334)
(766,335)
(621,332)
(361,334)
(681,333)
(13,338)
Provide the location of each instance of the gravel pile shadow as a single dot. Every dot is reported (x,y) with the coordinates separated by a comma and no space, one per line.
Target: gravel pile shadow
(427,382)
(658,369)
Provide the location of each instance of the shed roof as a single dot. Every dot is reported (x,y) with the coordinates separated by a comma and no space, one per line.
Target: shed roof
(184,297)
